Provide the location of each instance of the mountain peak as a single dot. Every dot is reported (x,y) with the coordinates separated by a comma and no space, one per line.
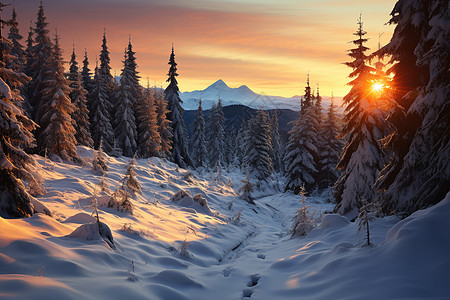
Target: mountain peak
(218,84)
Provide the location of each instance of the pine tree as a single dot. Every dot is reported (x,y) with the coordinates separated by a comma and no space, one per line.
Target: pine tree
(301,150)
(216,136)
(198,143)
(276,144)
(86,75)
(56,134)
(180,153)
(39,60)
(330,149)
(101,128)
(125,122)
(130,179)
(164,128)
(98,161)
(303,219)
(149,138)
(16,51)
(259,147)
(365,125)
(247,189)
(105,68)
(418,173)
(80,115)
(15,135)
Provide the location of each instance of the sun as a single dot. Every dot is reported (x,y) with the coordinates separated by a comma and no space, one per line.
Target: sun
(377,87)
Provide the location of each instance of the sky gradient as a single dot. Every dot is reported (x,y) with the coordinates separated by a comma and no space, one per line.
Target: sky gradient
(268,45)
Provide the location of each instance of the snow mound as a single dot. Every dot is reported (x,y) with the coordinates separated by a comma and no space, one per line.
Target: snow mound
(197,203)
(94,231)
(80,218)
(333,221)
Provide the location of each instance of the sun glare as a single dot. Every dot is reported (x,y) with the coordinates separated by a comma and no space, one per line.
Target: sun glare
(377,87)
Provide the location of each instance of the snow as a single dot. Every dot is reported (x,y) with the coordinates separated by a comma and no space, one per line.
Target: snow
(171,249)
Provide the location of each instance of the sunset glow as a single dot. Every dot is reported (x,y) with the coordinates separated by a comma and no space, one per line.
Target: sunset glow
(268,45)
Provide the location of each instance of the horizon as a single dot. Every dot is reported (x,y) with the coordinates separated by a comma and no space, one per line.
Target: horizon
(269,47)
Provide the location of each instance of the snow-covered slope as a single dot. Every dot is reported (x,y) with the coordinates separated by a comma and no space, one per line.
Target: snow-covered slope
(241,95)
(227,258)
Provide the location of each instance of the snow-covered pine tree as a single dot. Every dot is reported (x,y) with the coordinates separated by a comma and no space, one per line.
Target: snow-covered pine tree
(164,128)
(241,141)
(16,48)
(198,142)
(366,215)
(330,149)
(301,151)
(258,158)
(15,135)
(80,115)
(418,173)
(363,156)
(105,68)
(56,134)
(180,141)
(149,138)
(230,148)
(303,219)
(216,140)
(98,160)
(86,75)
(277,157)
(101,128)
(39,60)
(124,118)
(130,179)
(247,189)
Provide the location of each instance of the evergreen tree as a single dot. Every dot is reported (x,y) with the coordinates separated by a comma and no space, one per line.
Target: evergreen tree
(180,154)
(216,145)
(80,115)
(365,125)
(259,147)
(301,150)
(247,189)
(164,128)
(15,135)
(98,161)
(130,179)
(198,144)
(39,60)
(56,134)
(418,173)
(125,122)
(303,219)
(331,148)
(149,138)
(105,68)
(16,48)
(230,154)
(86,75)
(276,144)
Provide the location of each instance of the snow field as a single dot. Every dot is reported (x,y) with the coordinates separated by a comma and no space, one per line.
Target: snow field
(250,258)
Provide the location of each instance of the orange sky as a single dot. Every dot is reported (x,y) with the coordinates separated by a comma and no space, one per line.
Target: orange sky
(268,45)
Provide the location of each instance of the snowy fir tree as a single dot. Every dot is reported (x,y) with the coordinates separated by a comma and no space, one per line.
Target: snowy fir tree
(86,75)
(301,151)
(27,68)
(130,179)
(149,138)
(366,215)
(164,128)
(247,189)
(180,141)
(136,89)
(99,161)
(17,63)
(39,57)
(56,134)
(104,70)
(418,173)
(124,117)
(258,158)
(330,149)
(101,128)
(198,139)
(277,147)
(78,95)
(303,219)
(362,157)
(216,139)
(15,133)
(230,154)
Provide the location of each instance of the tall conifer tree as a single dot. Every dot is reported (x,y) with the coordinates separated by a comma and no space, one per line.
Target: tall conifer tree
(198,143)
(149,137)
(180,142)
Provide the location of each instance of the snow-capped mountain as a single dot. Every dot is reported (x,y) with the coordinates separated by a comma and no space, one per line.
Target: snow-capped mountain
(241,95)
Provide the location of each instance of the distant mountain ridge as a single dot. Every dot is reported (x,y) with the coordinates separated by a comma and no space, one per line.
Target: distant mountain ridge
(241,95)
